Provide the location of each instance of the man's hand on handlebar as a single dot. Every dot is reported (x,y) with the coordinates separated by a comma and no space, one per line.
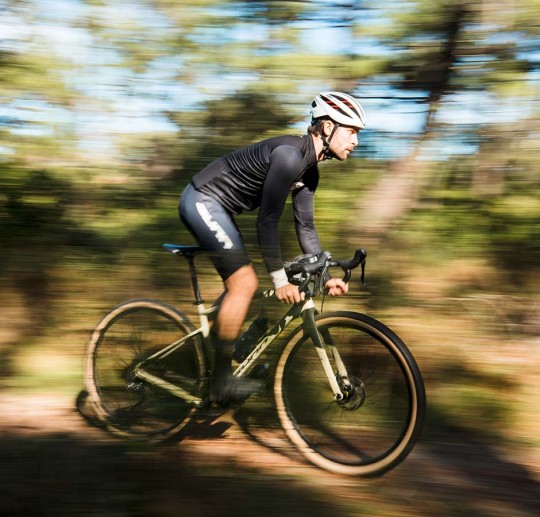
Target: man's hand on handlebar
(289,293)
(336,287)
(303,268)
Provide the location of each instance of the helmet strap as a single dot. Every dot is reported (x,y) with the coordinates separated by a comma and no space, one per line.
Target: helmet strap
(326,154)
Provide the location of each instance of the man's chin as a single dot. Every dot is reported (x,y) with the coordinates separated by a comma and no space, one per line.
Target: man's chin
(343,155)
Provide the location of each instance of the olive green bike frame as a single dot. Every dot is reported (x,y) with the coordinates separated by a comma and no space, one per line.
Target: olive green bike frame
(305,310)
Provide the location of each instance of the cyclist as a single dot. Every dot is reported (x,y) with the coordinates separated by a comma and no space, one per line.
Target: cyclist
(261,176)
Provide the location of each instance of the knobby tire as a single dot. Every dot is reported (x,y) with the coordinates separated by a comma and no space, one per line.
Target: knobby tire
(129,333)
(377,426)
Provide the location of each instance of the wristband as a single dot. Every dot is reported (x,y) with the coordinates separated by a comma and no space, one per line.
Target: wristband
(279,278)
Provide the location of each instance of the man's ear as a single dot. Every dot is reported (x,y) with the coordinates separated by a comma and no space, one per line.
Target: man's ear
(327,127)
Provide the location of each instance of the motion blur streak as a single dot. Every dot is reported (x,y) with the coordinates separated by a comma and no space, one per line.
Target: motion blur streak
(109,107)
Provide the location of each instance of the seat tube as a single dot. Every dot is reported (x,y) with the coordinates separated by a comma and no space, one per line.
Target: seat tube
(202,311)
(194,280)
(310,328)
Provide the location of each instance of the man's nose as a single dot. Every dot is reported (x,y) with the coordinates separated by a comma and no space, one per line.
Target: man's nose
(355,139)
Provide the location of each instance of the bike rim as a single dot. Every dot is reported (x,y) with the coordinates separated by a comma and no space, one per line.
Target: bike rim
(366,434)
(125,404)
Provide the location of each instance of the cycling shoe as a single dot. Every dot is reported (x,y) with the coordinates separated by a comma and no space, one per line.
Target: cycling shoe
(233,389)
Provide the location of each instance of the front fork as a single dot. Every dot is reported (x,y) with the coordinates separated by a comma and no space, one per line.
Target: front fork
(323,342)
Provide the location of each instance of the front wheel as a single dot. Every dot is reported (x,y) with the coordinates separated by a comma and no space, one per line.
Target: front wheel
(380,416)
(129,334)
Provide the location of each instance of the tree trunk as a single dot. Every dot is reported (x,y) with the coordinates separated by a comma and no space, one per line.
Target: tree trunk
(395,194)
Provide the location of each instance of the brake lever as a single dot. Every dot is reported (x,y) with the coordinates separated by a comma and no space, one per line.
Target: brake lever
(303,287)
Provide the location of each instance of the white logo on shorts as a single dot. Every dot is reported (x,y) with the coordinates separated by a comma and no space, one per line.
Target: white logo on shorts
(215,227)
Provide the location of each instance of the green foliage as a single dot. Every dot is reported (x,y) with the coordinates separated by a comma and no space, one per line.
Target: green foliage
(243,117)
(85,204)
(431,44)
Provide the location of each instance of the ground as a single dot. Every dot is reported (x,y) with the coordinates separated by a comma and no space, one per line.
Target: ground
(54,462)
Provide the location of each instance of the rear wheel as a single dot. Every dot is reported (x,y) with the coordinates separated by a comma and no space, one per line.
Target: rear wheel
(377,422)
(127,335)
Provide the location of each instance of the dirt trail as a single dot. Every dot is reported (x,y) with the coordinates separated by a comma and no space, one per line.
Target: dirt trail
(77,469)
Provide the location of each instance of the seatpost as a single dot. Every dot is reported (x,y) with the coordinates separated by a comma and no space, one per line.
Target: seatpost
(194,280)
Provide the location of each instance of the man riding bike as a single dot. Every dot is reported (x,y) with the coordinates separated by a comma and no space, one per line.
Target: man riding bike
(261,176)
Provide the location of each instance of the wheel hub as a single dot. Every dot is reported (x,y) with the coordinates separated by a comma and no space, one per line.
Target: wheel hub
(354,393)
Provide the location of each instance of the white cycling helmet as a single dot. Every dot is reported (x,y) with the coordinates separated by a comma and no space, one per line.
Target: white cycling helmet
(340,107)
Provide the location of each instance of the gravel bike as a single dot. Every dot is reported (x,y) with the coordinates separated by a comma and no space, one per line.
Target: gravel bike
(348,392)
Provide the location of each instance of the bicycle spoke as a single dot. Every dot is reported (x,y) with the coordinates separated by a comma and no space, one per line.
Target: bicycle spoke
(126,402)
(378,414)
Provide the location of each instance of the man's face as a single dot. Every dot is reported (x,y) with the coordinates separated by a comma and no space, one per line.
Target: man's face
(343,142)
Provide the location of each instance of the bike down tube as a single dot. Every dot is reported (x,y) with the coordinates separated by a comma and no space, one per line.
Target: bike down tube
(270,335)
(308,315)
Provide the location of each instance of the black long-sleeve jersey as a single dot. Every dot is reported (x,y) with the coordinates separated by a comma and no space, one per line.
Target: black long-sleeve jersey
(261,176)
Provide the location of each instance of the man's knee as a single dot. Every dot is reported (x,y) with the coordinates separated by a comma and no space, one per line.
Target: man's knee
(244,280)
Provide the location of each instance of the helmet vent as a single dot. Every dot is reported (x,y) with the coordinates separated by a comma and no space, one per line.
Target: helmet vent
(339,107)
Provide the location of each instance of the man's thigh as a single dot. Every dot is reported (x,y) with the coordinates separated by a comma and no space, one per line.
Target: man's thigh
(215,230)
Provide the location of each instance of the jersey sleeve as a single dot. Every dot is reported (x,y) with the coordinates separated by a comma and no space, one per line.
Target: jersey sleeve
(285,166)
(303,205)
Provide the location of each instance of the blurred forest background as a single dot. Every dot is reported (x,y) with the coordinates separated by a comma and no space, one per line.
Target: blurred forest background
(108,107)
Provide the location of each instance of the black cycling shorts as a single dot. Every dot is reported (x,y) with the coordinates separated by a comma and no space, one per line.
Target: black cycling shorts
(215,230)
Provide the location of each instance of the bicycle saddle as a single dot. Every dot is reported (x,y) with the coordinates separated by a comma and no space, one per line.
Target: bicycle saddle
(180,249)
